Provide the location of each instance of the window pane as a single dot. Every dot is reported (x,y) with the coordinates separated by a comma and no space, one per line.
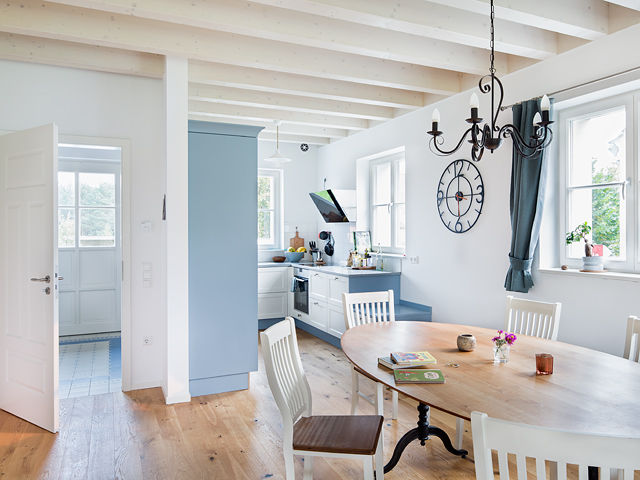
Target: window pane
(97,227)
(604,210)
(66,189)
(401,233)
(399,193)
(598,148)
(265,227)
(382,190)
(381,226)
(97,189)
(265,192)
(66,227)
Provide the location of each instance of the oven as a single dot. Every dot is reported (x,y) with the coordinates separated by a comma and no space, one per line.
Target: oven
(300,289)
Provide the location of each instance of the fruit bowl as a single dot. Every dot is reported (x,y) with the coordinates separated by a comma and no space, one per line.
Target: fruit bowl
(294,257)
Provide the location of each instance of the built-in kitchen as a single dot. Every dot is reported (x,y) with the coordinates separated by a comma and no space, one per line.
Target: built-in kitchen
(307,278)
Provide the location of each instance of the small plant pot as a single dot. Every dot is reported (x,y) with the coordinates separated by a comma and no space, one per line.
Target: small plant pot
(466,342)
(592,264)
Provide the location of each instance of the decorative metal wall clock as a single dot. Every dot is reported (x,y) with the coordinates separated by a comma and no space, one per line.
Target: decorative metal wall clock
(460,196)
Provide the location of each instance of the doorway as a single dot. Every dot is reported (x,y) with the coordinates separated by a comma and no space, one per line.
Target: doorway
(90,267)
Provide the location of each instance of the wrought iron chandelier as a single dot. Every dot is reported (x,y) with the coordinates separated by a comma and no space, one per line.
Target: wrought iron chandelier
(490,135)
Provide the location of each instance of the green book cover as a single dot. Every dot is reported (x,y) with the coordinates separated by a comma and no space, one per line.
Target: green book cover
(418,375)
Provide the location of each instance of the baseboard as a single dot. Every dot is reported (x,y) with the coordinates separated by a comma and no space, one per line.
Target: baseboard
(316,332)
(267,322)
(143,385)
(212,385)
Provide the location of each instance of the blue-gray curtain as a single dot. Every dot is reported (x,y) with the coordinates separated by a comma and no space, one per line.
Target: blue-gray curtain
(527,198)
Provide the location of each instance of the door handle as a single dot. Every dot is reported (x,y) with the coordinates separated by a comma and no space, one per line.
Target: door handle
(45,279)
(60,277)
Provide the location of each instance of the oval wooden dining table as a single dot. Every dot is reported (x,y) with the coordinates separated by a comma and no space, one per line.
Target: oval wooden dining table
(589,391)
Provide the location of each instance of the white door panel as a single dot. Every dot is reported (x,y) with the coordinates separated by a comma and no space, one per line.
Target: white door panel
(29,315)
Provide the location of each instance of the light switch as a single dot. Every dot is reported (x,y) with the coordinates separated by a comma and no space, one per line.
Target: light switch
(147,275)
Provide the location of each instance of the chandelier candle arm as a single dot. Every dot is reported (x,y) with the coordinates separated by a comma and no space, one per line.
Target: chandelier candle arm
(490,135)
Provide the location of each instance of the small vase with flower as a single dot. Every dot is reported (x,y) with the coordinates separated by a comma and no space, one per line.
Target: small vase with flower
(501,346)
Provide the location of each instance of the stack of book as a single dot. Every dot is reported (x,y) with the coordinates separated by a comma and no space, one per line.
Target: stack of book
(409,367)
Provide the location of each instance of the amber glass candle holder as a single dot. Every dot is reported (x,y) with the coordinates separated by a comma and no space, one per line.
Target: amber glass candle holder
(544,364)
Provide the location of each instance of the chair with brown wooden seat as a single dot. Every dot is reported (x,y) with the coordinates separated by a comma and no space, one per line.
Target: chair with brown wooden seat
(345,436)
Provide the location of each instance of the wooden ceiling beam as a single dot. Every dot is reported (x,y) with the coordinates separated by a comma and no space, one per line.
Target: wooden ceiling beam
(632,4)
(284,138)
(269,115)
(588,19)
(292,84)
(295,103)
(299,28)
(60,22)
(76,55)
(431,20)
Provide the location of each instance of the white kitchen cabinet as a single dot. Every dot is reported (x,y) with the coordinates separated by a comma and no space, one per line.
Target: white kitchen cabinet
(336,321)
(272,305)
(318,314)
(319,284)
(273,292)
(337,286)
(273,280)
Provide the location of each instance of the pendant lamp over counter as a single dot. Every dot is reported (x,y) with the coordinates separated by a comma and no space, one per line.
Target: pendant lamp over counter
(277,158)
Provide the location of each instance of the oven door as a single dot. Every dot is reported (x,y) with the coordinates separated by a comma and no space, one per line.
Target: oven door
(301,294)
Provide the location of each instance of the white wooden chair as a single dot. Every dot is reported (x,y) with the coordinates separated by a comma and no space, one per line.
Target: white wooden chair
(632,344)
(529,317)
(345,436)
(525,317)
(557,446)
(361,309)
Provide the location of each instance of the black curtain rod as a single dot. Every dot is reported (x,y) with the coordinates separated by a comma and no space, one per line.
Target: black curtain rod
(584,84)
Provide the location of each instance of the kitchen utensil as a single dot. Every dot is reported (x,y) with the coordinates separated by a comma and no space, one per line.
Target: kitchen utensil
(297,241)
(328,248)
(278,259)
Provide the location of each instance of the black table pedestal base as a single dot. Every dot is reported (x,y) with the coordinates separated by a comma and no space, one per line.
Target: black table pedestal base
(421,433)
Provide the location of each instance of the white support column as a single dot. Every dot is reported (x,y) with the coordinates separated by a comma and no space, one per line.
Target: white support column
(176,90)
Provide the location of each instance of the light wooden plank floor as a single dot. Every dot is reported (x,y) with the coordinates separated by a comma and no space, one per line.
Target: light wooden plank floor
(228,436)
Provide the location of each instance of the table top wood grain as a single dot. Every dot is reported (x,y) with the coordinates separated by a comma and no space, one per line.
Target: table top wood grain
(589,391)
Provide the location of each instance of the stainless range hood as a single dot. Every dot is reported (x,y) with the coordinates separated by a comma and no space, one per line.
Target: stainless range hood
(335,206)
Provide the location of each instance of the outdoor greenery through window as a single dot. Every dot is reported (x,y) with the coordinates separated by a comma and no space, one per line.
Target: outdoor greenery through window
(269,208)
(598,140)
(86,209)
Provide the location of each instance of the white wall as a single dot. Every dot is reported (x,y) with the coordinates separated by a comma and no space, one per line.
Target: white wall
(299,179)
(462,276)
(107,105)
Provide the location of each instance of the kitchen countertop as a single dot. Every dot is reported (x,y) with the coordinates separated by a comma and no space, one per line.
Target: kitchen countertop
(329,269)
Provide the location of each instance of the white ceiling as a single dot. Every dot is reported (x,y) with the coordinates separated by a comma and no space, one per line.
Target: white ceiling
(325,68)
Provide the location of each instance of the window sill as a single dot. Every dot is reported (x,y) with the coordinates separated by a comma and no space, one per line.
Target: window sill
(607,275)
(388,254)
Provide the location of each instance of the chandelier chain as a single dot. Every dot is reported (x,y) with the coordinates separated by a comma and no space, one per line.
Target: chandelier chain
(492,69)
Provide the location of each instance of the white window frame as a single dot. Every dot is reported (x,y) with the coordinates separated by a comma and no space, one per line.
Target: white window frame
(278,205)
(631,103)
(394,160)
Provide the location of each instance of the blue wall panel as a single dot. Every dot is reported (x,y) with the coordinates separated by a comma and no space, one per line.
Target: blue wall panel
(223,285)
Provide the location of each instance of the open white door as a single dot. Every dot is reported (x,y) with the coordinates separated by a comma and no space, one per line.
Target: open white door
(28,276)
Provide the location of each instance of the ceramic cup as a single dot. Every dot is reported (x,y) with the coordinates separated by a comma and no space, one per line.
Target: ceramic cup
(466,342)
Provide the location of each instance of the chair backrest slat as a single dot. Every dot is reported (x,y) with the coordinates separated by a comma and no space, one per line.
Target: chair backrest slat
(632,343)
(545,444)
(528,317)
(368,307)
(285,374)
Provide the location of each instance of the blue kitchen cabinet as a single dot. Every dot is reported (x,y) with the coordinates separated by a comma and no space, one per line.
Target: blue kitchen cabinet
(223,345)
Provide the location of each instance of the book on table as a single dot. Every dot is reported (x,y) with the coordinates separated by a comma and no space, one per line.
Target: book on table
(412,359)
(387,362)
(418,375)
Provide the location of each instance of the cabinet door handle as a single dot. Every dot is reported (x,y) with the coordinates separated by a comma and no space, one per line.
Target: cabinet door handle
(316,303)
(336,278)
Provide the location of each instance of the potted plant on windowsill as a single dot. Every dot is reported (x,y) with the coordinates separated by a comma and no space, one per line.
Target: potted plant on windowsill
(590,262)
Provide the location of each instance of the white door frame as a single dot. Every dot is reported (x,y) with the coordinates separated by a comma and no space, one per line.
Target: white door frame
(125,226)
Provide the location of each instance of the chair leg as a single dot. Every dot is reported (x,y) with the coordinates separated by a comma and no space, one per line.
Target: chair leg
(290,472)
(394,403)
(368,467)
(354,391)
(379,460)
(380,399)
(459,433)
(308,468)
